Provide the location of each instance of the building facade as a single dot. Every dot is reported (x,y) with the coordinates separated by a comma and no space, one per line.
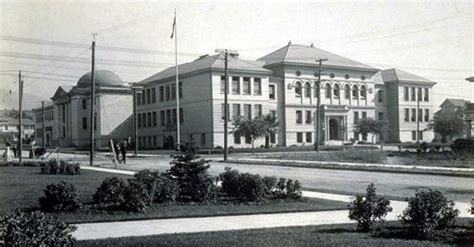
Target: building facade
(282,83)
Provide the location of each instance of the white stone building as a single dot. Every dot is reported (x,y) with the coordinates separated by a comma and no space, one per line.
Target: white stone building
(282,83)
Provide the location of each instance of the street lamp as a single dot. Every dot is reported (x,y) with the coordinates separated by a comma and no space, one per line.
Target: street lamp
(135,88)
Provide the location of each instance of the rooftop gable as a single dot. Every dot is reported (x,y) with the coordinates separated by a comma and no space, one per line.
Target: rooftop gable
(397,75)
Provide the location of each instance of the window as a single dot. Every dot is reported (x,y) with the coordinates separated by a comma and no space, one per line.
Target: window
(336,91)
(427,115)
(362,78)
(162,93)
(168,92)
(420,96)
(299,117)
(154,141)
(237,139)
(346,77)
(203,139)
(149,123)
(162,118)
(413,135)
(420,115)
(173,91)
(154,119)
(168,117)
(364,136)
(299,137)
(248,140)
(405,93)
(427,96)
(407,114)
(380,96)
(420,135)
(356,116)
(308,117)
(174,117)
(298,89)
(153,95)
(413,94)
(144,120)
(258,110)
(139,97)
(271,91)
(298,73)
(222,84)
(332,75)
(316,90)
(356,136)
(235,85)
(148,96)
(223,111)
(257,86)
(272,138)
(380,115)
(413,115)
(364,114)
(84,103)
(181,115)
(246,86)
(139,120)
(143,99)
(307,90)
(309,137)
(328,91)
(84,123)
(347,92)
(236,110)
(248,111)
(180,87)
(363,92)
(355,92)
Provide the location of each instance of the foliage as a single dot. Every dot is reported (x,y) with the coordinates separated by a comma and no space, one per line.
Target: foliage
(428,213)
(160,188)
(251,129)
(35,229)
(60,197)
(463,146)
(190,172)
(269,126)
(136,197)
(370,126)
(60,167)
(447,124)
(369,210)
(111,193)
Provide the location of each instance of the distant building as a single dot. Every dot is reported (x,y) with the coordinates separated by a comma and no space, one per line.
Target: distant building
(9,128)
(67,116)
(282,83)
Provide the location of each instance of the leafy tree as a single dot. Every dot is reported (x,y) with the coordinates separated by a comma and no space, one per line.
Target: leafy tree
(270,127)
(369,210)
(447,124)
(370,126)
(252,129)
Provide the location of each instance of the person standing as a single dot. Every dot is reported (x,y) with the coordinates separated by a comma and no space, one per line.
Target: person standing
(117,152)
(123,149)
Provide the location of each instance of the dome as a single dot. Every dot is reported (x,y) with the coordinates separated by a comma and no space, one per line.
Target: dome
(102,78)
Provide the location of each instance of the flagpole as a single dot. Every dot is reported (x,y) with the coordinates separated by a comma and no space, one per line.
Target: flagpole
(178,132)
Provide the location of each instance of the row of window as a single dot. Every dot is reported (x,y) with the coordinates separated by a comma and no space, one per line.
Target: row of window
(409,94)
(166,93)
(25,127)
(247,112)
(308,117)
(413,135)
(247,86)
(84,124)
(308,137)
(332,75)
(332,92)
(167,118)
(48,116)
(152,141)
(356,115)
(412,117)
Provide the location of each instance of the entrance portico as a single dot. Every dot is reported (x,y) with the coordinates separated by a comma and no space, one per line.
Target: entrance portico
(335,123)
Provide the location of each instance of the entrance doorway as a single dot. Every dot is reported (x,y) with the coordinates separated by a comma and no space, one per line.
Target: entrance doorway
(334,130)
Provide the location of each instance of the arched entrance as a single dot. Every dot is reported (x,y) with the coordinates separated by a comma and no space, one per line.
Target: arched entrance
(334,130)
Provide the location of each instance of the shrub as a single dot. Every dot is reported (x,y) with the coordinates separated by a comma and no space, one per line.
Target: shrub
(230,181)
(60,167)
(293,189)
(35,229)
(60,197)
(463,146)
(160,188)
(251,187)
(269,184)
(136,197)
(111,193)
(428,213)
(369,210)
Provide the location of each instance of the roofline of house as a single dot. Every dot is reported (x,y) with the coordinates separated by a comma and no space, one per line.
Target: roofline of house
(314,66)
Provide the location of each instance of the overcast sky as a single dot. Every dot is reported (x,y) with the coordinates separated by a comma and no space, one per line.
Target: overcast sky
(432,39)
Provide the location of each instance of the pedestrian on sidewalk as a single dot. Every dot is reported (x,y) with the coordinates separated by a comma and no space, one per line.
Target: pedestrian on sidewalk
(117,152)
(123,149)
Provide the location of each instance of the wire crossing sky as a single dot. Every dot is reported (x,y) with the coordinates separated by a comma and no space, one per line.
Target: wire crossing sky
(50,40)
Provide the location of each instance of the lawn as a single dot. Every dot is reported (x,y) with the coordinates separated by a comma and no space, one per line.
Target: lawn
(331,235)
(23,186)
(358,156)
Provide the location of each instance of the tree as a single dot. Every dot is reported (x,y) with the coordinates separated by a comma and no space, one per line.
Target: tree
(447,124)
(270,127)
(251,129)
(370,126)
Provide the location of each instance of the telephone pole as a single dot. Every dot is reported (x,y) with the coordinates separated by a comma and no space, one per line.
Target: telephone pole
(226,53)
(318,112)
(44,127)
(92,115)
(20,117)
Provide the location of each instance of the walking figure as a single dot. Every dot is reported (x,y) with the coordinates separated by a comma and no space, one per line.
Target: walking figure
(117,152)
(123,149)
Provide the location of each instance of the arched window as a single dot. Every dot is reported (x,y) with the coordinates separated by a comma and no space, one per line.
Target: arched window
(355,92)
(328,90)
(363,92)
(298,89)
(347,92)
(307,88)
(336,90)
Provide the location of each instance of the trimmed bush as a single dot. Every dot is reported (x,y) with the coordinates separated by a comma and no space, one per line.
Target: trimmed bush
(111,193)
(160,188)
(269,184)
(428,213)
(370,210)
(60,167)
(60,197)
(136,196)
(463,146)
(35,229)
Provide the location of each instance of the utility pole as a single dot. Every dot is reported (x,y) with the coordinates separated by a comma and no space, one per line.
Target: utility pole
(135,126)
(44,127)
(20,117)
(92,115)
(226,53)
(318,112)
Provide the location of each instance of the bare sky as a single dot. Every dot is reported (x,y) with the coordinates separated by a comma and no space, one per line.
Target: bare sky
(432,39)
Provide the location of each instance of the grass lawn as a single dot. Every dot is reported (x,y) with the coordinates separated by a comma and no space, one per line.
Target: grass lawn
(331,235)
(23,186)
(358,156)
